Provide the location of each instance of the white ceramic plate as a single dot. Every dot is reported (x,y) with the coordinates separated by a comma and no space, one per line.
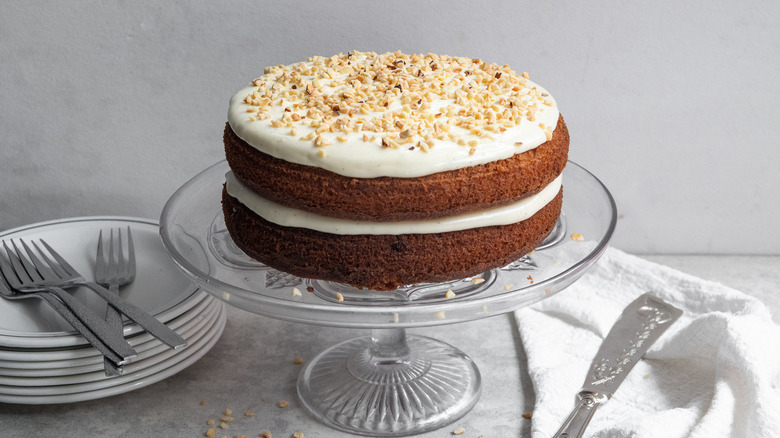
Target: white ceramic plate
(85,354)
(91,368)
(117,385)
(159,287)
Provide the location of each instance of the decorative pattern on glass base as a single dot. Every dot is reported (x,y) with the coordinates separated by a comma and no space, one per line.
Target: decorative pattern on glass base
(408,386)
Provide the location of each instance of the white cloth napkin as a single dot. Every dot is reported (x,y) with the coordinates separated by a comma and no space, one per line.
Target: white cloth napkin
(714,373)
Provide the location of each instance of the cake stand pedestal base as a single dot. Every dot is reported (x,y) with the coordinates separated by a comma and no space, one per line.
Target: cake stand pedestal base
(388,384)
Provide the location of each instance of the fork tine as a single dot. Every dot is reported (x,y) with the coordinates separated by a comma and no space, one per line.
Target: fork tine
(57,270)
(24,270)
(130,254)
(100,262)
(8,270)
(120,255)
(111,261)
(43,270)
(5,288)
(65,265)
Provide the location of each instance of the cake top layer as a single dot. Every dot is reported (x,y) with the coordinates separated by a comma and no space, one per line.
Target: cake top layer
(368,115)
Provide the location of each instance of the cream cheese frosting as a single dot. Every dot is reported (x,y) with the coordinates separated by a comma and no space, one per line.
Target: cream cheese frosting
(291,217)
(366,115)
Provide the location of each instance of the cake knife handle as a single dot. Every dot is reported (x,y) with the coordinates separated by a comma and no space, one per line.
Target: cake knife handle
(578,420)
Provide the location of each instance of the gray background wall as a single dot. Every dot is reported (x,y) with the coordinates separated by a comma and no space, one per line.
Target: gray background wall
(107,107)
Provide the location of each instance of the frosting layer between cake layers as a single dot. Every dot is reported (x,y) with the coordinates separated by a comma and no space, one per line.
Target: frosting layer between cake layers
(290,217)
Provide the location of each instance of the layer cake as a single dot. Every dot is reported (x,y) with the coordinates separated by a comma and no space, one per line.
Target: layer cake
(380,170)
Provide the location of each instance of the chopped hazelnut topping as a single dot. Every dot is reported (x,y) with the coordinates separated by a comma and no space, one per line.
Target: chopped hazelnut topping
(459,431)
(449,294)
(339,297)
(296,292)
(283,404)
(577,237)
(320,141)
(395,94)
(477,280)
(297,360)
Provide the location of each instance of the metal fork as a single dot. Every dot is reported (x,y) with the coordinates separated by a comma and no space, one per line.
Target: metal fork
(67,277)
(116,271)
(19,275)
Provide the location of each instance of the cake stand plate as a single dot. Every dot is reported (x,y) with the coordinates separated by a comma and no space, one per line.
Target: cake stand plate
(388,383)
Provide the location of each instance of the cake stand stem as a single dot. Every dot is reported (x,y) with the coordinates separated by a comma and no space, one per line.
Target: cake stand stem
(389,347)
(389,384)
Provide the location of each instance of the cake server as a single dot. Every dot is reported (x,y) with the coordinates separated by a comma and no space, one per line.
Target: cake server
(640,325)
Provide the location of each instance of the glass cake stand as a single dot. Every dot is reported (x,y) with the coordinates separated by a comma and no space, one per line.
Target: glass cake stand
(386,383)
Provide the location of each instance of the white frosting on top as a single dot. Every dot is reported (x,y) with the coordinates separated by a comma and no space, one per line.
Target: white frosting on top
(290,217)
(434,114)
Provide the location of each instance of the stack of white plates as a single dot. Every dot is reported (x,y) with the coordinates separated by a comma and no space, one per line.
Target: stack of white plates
(43,360)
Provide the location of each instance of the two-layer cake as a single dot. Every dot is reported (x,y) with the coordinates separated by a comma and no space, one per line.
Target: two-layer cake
(384,170)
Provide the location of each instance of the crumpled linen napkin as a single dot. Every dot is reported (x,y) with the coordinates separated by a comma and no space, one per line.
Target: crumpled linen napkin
(714,373)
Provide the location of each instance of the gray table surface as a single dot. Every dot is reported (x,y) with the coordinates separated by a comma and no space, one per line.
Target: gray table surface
(251,369)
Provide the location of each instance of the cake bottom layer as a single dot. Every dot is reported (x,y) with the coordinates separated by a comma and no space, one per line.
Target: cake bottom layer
(384,262)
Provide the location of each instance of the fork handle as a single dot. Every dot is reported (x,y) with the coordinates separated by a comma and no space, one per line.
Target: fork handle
(149,323)
(74,321)
(114,321)
(110,338)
